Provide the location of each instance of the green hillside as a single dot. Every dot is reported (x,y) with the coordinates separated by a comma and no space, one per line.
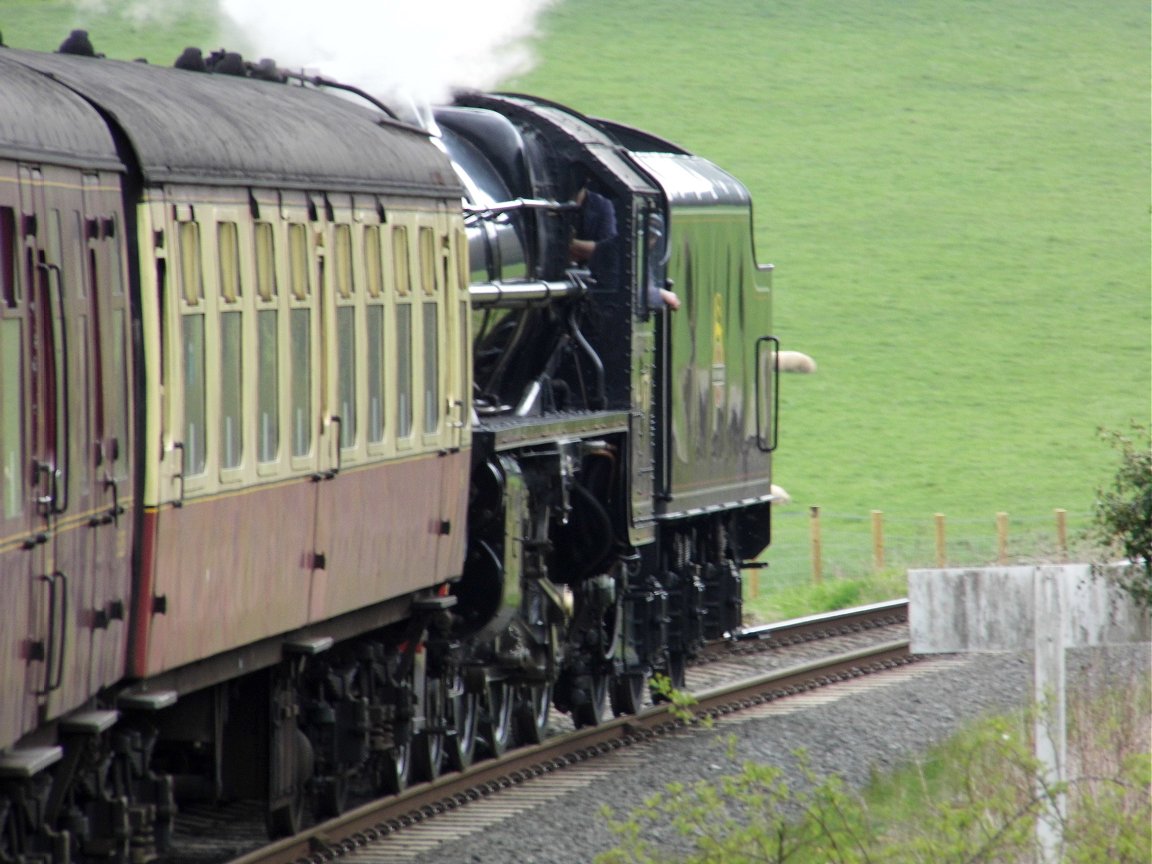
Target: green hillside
(956,198)
(124,29)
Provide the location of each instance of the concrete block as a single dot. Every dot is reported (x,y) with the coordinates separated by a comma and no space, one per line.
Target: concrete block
(995,608)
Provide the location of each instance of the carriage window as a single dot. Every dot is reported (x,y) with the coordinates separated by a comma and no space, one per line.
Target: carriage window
(231,348)
(194,394)
(56,247)
(400,260)
(374,325)
(88,369)
(465,354)
(265,262)
(119,385)
(403,370)
(9,249)
(192,282)
(267,347)
(192,344)
(342,259)
(301,322)
(431,370)
(11,421)
(374,315)
(231,390)
(228,255)
(372,270)
(268,384)
(112,278)
(346,350)
(461,260)
(428,272)
(300,329)
(298,262)
(345,333)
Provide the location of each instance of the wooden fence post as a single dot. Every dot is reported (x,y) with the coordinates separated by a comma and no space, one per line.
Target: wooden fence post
(941,545)
(877,540)
(1062,534)
(1002,538)
(817,570)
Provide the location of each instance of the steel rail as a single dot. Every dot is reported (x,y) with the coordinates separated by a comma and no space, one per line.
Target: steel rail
(374,821)
(828,623)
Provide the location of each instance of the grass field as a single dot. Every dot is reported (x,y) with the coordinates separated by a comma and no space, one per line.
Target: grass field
(155,29)
(956,198)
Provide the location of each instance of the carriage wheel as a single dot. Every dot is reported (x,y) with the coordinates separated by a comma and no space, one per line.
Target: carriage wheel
(332,797)
(287,819)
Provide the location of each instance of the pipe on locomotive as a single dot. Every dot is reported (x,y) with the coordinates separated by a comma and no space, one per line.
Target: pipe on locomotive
(521,292)
(512,294)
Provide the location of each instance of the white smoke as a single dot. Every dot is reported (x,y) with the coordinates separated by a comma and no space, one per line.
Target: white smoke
(418,51)
(155,13)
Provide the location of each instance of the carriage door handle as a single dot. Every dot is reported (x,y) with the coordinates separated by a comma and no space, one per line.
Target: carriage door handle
(53,655)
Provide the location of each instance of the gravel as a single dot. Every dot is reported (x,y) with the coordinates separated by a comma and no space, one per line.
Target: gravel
(874,728)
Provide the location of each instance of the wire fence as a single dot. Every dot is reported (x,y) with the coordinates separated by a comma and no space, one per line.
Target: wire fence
(813,545)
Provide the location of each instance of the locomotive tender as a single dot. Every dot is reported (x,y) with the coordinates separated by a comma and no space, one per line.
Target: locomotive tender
(321,464)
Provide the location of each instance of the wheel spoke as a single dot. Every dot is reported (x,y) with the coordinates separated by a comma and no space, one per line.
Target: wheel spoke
(628,693)
(390,769)
(592,710)
(428,748)
(533,705)
(496,722)
(461,743)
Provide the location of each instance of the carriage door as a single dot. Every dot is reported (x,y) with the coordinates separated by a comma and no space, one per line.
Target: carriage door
(23,557)
(102,438)
(337,423)
(45,465)
(80,341)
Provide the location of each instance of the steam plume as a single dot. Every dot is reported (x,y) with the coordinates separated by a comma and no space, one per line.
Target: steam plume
(418,51)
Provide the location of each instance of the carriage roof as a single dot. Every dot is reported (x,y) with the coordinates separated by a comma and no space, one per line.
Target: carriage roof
(193,127)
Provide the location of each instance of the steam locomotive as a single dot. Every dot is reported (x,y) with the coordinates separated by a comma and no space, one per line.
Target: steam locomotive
(322,464)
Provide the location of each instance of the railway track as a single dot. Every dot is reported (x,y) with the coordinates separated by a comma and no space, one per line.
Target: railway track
(758,667)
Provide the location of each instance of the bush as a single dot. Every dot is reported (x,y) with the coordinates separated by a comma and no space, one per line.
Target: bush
(1122,515)
(973,800)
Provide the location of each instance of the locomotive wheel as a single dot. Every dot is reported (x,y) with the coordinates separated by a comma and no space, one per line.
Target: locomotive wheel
(627,693)
(676,672)
(496,717)
(461,742)
(592,710)
(391,768)
(533,704)
(678,669)
(429,746)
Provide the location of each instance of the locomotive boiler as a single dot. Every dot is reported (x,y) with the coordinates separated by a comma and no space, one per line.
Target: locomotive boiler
(323,465)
